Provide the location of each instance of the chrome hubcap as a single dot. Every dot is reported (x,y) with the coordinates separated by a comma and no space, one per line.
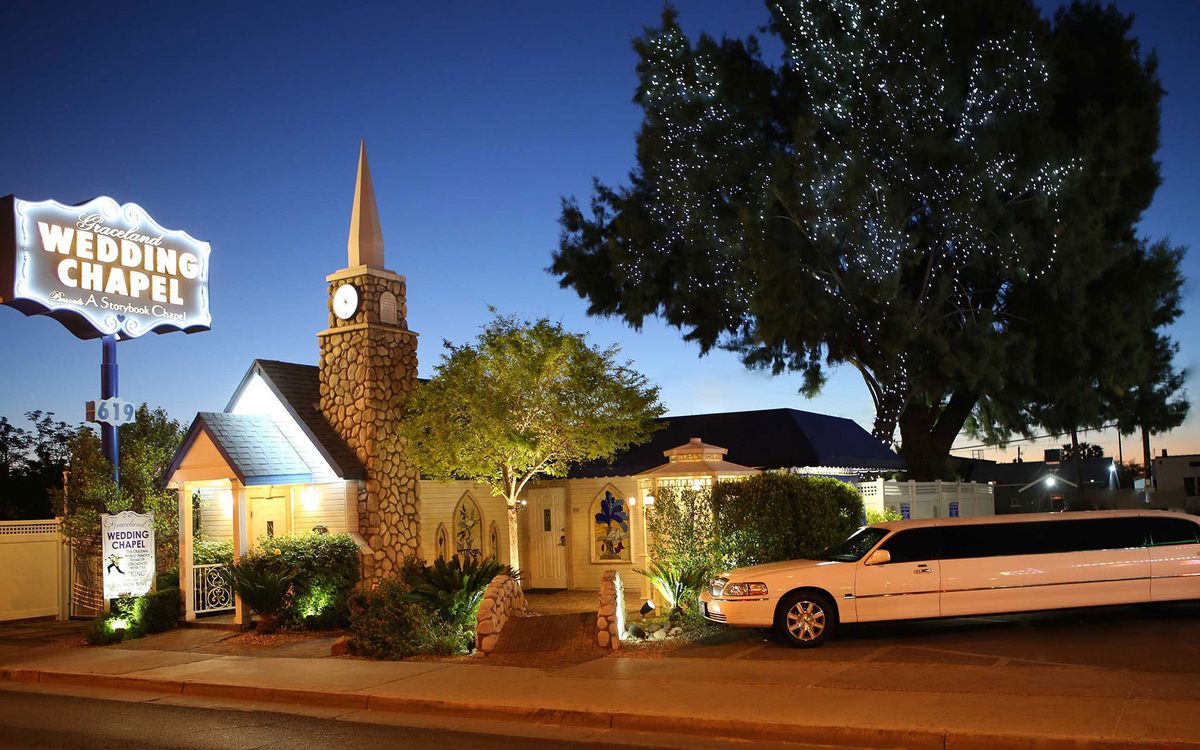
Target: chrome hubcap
(806,621)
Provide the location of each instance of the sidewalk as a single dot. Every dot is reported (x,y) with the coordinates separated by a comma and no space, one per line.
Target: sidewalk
(859,704)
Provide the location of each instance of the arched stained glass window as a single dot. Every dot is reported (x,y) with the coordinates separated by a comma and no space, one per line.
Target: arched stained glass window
(468,528)
(441,543)
(610,528)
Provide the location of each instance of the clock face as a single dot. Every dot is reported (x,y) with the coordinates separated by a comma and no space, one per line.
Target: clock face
(345,301)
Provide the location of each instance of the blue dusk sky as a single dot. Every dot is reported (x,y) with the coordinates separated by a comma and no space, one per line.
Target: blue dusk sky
(240,123)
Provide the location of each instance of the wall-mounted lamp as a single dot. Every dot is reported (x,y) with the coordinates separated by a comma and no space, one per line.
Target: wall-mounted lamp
(310,498)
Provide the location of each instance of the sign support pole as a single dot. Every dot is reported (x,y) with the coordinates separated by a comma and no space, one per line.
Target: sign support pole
(109,436)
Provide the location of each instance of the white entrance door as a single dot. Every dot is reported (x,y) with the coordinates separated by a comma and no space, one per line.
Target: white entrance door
(547,523)
(268,514)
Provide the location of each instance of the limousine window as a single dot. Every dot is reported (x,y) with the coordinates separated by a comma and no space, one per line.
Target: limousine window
(1042,537)
(913,545)
(860,543)
(1165,530)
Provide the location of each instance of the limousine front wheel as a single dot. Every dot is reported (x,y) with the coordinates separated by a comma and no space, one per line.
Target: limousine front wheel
(806,619)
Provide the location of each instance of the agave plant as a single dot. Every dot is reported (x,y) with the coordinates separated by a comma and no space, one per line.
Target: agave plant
(263,586)
(455,587)
(674,581)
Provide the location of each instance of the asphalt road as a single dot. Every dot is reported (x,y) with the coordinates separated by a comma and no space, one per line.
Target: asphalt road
(69,722)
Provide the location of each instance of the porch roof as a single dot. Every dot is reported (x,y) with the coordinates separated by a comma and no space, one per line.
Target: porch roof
(252,445)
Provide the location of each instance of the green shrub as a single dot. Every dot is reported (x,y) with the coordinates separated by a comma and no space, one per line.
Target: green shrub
(881,516)
(676,583)
(452,589)
(102,632)
(772,517)
(264,583)
(159,611)
(327,570)
(388,623)
(682,529)
(212,552)
(168,579)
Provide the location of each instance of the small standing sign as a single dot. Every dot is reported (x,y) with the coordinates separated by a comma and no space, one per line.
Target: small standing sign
(127,544)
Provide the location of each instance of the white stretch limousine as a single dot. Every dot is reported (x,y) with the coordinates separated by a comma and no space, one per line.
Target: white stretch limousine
(948,567)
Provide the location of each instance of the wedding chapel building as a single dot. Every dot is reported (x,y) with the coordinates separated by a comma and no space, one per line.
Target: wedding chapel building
(302,448)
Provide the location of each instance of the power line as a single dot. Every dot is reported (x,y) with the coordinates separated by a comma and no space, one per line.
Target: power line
(1030,439)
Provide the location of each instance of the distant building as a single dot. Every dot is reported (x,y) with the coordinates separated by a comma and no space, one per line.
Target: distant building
(1177,482)
(1041,486)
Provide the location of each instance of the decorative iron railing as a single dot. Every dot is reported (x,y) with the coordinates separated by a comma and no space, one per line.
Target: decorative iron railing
(212,590)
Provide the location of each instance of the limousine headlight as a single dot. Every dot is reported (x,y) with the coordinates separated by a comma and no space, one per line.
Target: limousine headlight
(745,589)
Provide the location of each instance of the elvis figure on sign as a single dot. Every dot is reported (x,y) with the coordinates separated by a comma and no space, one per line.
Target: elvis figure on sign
(114,561)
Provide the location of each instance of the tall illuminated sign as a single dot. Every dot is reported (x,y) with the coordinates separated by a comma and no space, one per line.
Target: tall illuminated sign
(102,268)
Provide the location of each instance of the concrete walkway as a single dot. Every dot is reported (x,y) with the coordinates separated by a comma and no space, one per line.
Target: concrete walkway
(872,704)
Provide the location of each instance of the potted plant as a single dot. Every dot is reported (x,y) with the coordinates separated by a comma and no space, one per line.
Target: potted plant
(264,585)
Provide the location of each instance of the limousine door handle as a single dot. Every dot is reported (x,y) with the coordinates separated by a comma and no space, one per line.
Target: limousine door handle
(923,569)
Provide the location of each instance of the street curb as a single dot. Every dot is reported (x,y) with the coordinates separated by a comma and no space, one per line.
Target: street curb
(845,736)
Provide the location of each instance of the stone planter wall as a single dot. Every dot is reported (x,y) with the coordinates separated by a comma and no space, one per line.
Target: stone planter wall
(503,599)
(610,616)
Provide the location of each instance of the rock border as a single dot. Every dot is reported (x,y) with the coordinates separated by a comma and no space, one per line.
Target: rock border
(610,615)
(503,599)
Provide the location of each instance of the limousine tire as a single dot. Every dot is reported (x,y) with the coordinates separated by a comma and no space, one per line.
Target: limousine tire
(805,619)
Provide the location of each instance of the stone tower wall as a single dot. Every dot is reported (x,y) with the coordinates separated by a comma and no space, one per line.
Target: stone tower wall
(367,368)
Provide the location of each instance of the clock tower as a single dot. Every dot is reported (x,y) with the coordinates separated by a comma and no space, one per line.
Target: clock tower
(368,365)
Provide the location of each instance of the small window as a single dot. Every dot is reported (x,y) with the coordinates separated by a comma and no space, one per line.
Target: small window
(1189,486)
(546,526)
(1165,530)
(914,545)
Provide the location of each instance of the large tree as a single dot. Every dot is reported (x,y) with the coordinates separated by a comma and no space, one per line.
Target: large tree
(527,399)
(878,197)
(147,446)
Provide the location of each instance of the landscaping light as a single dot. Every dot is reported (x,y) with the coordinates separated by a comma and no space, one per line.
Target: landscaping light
(118,623)
(647,608)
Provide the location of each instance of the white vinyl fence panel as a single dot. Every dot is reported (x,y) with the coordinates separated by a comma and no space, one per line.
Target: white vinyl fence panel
(930,499)
(33,570)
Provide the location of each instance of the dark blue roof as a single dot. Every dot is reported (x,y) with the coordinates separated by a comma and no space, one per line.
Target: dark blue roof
(253,446)
(764,439)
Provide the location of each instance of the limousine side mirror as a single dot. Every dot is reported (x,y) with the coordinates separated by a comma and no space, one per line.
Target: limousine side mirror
(879,557)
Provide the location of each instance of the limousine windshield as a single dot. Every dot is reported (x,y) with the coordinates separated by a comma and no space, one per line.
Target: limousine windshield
(853,549)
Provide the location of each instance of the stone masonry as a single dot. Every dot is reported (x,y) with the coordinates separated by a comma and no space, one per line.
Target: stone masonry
(368,366)
(610,615)
(502,599)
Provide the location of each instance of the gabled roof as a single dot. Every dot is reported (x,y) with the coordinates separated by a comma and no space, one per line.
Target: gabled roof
(298,388)
(252,446)
(763,439)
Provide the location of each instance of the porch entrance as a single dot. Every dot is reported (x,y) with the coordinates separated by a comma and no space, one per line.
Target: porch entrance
(547,557)
(268,513)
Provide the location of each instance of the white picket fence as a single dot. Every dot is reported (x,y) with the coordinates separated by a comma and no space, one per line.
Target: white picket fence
(929,499)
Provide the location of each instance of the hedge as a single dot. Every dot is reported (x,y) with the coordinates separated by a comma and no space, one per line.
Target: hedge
(773,517)
(329,571)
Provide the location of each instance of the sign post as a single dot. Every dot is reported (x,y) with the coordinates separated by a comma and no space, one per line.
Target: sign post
(127,553)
